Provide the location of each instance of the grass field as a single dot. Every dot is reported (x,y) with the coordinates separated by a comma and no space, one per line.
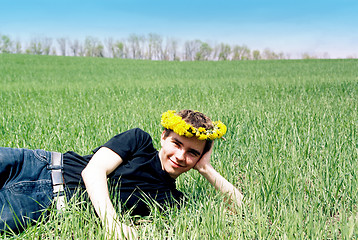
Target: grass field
(291,146)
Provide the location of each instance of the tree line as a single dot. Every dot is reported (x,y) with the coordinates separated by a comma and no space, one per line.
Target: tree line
(152,47)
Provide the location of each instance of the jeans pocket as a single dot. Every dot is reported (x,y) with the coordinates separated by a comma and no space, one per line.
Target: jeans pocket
(42,155)
(31,187)
(24,202)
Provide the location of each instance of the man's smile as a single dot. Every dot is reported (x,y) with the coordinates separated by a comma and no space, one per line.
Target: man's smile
(175,163)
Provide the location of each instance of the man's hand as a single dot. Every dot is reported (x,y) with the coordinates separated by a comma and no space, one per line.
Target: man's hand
(204,161)
(122,232)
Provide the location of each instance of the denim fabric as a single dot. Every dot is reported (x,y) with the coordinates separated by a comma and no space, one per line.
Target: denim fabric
(25,187)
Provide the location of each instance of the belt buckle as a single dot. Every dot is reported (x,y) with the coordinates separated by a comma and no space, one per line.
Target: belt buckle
(60,202)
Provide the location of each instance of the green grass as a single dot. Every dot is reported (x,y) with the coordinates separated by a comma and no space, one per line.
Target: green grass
(291,146)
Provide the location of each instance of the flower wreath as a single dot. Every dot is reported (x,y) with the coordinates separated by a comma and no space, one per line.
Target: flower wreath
(172,121)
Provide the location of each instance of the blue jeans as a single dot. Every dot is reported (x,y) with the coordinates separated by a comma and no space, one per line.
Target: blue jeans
(25,187)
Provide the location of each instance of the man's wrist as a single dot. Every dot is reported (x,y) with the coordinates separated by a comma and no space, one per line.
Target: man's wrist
(204,170)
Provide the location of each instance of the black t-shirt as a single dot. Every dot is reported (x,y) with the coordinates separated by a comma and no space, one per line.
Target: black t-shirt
(140,177)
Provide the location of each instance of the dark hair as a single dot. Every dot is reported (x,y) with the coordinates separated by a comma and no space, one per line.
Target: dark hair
(196,119)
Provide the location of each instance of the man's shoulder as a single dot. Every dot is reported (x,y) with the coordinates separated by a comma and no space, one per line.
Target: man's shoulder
(138,135)
(139,132)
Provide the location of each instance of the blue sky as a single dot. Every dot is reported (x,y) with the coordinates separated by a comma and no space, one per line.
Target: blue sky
(290,26)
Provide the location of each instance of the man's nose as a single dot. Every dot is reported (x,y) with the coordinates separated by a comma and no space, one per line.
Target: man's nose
(180,154)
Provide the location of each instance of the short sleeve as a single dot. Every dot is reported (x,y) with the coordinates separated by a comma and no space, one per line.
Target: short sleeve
(126,144)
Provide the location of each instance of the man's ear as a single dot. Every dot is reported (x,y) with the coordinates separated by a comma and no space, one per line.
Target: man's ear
(162,138)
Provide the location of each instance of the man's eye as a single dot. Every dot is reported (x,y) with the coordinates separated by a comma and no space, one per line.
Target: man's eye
(194,154)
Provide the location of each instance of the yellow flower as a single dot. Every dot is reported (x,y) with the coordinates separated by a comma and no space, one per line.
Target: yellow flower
(201,129)
(202,137)
(180,128)
(188,134)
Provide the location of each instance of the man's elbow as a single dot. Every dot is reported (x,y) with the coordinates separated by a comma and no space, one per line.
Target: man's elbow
(85,174)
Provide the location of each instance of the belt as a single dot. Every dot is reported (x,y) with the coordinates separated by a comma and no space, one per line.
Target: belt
(57,180)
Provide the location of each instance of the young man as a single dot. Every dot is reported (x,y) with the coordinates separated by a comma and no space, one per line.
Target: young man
(130,162)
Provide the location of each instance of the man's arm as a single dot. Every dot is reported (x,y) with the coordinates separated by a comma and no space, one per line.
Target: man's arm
(103,162)
(219,182)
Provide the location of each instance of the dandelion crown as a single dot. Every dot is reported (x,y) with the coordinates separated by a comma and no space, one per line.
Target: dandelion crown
(174,122)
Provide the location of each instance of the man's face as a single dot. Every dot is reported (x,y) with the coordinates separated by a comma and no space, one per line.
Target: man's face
(179,154)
